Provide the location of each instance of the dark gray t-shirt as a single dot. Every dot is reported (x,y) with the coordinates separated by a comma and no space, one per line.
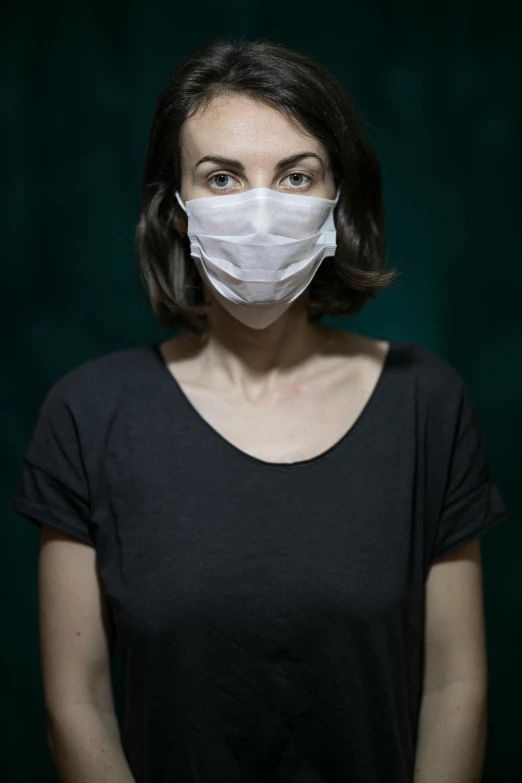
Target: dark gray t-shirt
(270,616)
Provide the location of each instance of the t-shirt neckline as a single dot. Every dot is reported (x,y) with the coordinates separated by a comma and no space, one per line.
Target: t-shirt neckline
(371,402)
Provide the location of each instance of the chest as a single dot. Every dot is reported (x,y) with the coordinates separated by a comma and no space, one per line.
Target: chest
(299,425)
(190,530)
(187,525)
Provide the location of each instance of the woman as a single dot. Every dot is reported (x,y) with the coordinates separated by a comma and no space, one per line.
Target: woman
(253,509)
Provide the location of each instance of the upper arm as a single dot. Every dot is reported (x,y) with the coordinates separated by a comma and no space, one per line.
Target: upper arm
(455,640)
(73,624)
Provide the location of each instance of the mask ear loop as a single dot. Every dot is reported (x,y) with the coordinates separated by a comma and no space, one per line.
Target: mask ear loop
(182,205)
(208,301)
(180,202)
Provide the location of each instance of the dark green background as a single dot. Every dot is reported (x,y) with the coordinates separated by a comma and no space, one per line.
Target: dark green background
(437,84)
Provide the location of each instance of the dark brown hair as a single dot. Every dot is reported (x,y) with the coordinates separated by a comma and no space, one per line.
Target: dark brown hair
(311,97)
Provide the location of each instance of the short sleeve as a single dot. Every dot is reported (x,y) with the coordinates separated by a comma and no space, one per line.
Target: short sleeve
(53,486)
(472,502)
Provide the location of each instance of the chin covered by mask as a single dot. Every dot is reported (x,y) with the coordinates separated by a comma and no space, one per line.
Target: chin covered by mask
(258,250)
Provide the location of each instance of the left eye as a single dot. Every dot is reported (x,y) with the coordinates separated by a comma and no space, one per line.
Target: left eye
(297,174)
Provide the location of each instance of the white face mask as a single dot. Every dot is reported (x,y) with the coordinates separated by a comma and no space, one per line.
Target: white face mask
(259,249)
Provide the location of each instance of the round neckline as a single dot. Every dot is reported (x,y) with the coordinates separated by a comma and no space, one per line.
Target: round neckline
(285,466)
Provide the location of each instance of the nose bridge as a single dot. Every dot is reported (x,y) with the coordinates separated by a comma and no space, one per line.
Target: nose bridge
(261,215)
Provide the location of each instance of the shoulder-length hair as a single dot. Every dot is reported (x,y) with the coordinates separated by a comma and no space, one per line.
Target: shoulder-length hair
(312,98)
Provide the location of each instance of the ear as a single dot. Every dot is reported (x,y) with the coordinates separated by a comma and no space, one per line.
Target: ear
(179,220)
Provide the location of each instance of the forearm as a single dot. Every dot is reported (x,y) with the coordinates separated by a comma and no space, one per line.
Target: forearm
(451,741)
(86,746)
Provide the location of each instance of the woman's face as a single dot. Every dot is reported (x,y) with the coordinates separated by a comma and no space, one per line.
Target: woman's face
(237,144)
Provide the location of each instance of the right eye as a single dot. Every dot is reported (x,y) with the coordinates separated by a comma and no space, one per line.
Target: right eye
(220,185)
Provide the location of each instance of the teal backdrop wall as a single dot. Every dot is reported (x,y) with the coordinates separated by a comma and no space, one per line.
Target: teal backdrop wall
(437,84)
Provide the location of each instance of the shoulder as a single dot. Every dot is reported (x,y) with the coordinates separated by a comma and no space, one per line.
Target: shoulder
(441,397)
(101,381)
(408,365)
(434,375)
(409,361)
(73,420)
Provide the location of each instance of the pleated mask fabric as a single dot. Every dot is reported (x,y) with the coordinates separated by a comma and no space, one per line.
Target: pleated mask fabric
(258,250)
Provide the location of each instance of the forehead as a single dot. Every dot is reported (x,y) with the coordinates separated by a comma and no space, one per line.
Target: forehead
(238,126)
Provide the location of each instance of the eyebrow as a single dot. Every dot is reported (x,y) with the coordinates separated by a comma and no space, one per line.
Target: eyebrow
(236,164)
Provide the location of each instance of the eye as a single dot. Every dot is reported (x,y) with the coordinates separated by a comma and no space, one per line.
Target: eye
(221,181)
(299,184)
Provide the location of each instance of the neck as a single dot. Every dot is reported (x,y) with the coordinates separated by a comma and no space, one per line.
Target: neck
(236,355)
